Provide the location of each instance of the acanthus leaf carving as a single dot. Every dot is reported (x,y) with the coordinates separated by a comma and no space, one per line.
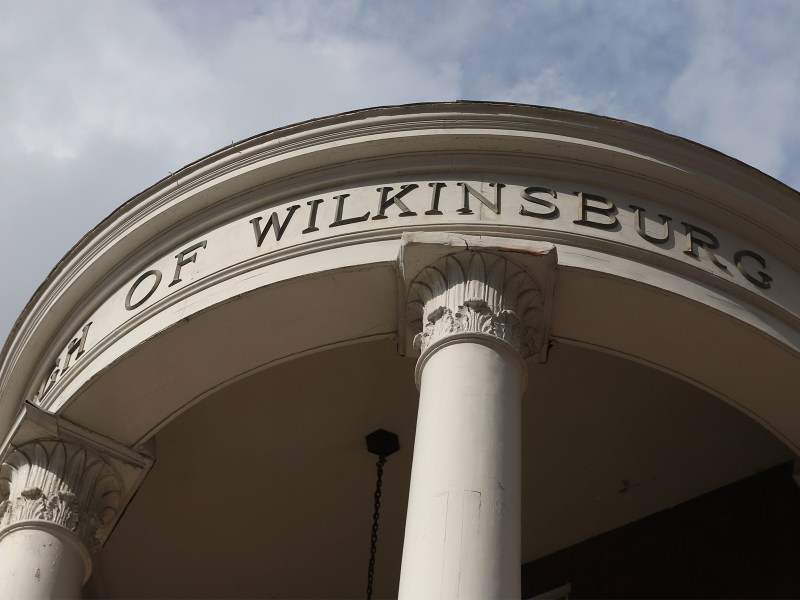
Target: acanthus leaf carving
(476,292)
(61,483)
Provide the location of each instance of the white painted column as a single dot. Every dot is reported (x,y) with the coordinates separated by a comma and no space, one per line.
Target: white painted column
(482,315)
(57,496)
(463,528)
(37,561)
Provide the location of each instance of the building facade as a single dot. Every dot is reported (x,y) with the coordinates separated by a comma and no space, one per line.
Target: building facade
(570,322)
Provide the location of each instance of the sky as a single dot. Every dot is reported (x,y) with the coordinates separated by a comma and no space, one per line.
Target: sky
(99,99)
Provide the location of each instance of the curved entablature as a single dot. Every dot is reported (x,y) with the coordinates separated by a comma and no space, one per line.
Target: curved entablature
(641,215)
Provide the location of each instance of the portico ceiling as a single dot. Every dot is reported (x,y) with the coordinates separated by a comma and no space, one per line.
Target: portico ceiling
(264,489)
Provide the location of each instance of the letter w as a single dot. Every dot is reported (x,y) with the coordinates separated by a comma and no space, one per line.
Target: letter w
(275,223)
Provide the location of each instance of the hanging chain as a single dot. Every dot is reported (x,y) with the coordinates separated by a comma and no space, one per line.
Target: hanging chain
(373,546)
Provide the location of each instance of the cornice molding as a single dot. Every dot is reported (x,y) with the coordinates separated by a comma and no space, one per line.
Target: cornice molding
(413,137)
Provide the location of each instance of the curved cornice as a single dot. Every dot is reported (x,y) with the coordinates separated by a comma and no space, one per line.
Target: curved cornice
(505,136)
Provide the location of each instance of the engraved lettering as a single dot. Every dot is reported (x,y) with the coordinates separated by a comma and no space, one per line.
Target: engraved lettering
(50,381)
(469,190)
(274,223)
(312,218)
(528,195)
(339,220)
(536,202)
(436,189)
(693,242)
(607,211)
(639,224)
(763,280)
(133,305)
(184,259)
(386,202)
(76,346)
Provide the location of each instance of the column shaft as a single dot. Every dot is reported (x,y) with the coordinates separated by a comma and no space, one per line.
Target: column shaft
(478,309)
(39,563)
(462,536)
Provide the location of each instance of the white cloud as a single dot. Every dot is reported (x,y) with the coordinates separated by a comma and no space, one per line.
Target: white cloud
(92,71)
(277,78)
(740,90)
(551,88)
(101,99)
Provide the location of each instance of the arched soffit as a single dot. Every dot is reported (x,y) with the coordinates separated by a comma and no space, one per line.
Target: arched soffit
(669,253)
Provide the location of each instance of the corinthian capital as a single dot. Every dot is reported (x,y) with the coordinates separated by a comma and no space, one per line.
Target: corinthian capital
(477,286)
(61,483)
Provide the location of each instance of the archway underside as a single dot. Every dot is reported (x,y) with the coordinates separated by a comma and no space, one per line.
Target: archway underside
(251,331)
(268,479)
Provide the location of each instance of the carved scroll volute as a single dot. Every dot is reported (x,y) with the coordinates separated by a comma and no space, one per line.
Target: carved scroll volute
(62,483)
(477,292)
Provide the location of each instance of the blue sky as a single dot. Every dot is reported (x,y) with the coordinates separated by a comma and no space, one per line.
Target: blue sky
(100,99)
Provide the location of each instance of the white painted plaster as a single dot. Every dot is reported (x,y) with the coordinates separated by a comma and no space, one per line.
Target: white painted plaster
(39,561)
(462,537)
